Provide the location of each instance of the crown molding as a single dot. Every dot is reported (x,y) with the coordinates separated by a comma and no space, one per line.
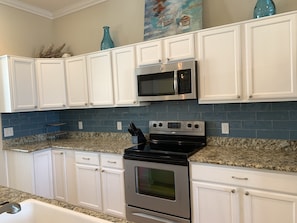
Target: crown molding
(47,14)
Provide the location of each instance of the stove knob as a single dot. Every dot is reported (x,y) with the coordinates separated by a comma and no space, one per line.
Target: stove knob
(160,124)
(154,125)
(189,125)
(196,126)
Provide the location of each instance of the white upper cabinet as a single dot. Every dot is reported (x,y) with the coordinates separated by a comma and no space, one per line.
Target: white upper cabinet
(77,83)
(149,52)
(51,83)
(18,84)
(124,76)
(100,79)
(179,48)
(259,65)
(219,64)
(166,50)
(271,58)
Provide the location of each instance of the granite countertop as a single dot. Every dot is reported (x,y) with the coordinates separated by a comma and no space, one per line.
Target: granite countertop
(276,155)
(12,195)
(91,142)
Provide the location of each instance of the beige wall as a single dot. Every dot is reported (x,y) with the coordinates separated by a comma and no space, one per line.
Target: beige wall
(22,33)
(82,31)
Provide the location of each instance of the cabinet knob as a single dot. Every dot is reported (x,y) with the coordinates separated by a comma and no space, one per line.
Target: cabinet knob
(86,104)
(35,106)
(96,169)
(247,193)
(238,96)
(61,153)
(102,171)
(233,191)
(160,60)
(92,103)
(64,106)
(251,96)
(168,59)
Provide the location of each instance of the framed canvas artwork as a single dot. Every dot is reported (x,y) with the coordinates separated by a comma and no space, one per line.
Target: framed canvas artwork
(169,17)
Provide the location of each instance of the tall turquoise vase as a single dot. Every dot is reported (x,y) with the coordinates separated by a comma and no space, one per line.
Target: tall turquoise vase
(264,8)
(106,42)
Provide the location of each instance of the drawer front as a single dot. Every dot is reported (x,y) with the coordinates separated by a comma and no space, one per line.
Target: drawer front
(244,177)
(87,158)
(112,160)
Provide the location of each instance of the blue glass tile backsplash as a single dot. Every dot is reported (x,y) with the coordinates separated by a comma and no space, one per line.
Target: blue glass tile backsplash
(277,120)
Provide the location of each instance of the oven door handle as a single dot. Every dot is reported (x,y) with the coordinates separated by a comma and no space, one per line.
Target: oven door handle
(155,218)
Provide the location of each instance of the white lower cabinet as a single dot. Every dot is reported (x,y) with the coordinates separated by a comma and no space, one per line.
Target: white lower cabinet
(236,195)
(43,173)
(88,180)
(64,175)
(113,190)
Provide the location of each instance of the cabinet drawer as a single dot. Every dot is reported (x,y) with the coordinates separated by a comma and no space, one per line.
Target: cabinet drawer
(112,160)
(244,177)
(87,158)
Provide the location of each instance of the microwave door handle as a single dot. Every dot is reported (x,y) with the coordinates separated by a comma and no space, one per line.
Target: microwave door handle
(175,82)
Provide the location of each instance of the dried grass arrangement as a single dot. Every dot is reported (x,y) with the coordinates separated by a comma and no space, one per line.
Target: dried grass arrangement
(51,52)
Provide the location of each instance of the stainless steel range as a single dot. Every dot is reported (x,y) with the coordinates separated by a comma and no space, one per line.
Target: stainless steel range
(157,182)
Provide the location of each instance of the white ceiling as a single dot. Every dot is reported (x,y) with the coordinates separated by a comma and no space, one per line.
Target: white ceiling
(51,8)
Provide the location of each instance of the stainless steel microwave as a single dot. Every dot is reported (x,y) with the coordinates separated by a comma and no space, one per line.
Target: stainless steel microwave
(174,81)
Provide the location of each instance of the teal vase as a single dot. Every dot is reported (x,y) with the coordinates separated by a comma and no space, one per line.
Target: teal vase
(106,42)
(264,8)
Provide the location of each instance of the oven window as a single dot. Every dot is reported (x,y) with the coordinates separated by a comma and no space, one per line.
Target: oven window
(155,182)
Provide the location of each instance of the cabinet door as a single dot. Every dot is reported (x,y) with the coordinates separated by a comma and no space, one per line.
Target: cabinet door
(77,84)
(43,174)
(100,79)
(149,53)
(89,186)
(214,203)
(271,58)
(124,76)
(51,83)
(179,48)
(113,192)
(219,65)
(23,84)
(20,171)
(59,173)
(263,206)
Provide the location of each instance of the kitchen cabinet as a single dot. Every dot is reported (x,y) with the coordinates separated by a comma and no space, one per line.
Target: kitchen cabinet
(43,174)
(271,58)
(220,71)
(88,170)
(257,61)
(100,79)
(166,50)
(18,84)
(64,175)
(241,195)
(77,83)
(20,171)
(51,83)
(125,86)
(113,191)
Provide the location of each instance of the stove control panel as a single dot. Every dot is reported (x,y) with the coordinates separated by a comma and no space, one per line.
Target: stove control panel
(177,127)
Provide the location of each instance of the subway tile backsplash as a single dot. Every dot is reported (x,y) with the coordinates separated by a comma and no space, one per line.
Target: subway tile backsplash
(275,120)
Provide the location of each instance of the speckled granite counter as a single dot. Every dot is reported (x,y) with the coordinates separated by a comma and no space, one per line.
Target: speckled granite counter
(93,142)
(280,155)
(11,195)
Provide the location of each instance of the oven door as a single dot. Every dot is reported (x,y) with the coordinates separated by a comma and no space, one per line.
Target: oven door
(159,187)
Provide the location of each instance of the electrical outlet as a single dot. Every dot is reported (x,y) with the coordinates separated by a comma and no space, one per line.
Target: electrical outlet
(8,132)
(80,125)
(225,128)
(119,126)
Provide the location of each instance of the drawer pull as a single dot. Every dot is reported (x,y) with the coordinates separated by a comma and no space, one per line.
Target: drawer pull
(112,162)
(239,178)
(85,158)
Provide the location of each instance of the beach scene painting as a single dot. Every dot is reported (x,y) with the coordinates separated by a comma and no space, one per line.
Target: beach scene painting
(169,17)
